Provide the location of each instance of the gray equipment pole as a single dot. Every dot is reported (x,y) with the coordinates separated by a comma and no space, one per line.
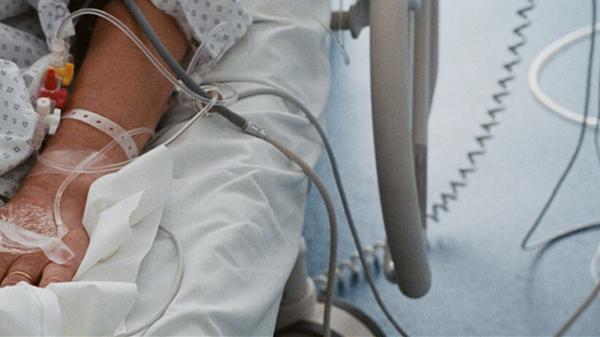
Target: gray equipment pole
(397,132)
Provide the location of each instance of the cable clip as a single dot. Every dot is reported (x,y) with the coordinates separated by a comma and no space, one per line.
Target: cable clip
(213,92)
(254,130)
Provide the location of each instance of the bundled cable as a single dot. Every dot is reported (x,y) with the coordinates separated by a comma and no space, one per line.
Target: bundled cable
(498,107)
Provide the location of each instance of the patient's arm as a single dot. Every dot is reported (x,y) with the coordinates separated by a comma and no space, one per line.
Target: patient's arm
(117,82)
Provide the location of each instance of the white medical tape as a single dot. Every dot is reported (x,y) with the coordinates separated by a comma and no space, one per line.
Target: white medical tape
(107,126)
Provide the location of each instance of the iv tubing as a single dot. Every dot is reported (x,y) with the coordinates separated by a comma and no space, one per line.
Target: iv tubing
(121,26)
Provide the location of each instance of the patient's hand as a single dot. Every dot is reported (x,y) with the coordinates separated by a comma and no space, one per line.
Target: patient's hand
(32,209)
(117,82)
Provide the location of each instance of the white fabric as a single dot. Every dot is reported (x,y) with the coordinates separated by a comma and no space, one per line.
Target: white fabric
(28,311)
(197,18)
(236,203)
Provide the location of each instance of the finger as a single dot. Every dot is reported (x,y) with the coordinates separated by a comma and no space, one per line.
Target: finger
(57,273)
(77,240)
(26,268)
(6,260)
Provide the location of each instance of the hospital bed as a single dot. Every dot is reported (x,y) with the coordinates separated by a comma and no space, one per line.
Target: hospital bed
(403,73)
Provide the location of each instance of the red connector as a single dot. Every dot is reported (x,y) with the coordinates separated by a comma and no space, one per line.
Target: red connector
(51,80)
(52,90)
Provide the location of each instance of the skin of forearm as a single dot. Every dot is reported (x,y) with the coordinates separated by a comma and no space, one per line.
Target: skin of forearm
(115,81)
(118,82)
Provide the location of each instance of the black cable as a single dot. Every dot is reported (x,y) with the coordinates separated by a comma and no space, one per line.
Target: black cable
(492,122)
(596,290)
(574,156)
(141,20)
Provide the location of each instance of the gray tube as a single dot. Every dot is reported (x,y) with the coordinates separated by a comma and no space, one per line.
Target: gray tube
(394,147)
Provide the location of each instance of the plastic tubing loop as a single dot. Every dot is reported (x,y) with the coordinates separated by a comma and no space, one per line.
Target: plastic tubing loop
(538,65)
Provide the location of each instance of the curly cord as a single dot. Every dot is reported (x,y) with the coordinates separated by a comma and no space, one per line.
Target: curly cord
(498,97)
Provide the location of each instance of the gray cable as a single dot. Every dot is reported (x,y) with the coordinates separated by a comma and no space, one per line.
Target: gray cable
(164,53)
(340,187)
(237,120)
(580,310)
(231,116)
(525,243)
(552,239)
(332,221)
(162,50)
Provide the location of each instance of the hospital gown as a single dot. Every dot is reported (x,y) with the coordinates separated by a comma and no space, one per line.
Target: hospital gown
(234,203)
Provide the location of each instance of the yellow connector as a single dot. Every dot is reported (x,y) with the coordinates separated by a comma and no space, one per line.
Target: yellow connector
(66,73)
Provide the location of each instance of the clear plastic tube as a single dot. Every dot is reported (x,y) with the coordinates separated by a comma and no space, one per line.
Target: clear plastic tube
(60,226)
(20,239)
(87,169)
(108,168)
(198,53)
(16,239)
(121,26)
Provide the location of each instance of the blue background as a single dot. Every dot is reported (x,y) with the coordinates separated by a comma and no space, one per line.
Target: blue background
(483,284)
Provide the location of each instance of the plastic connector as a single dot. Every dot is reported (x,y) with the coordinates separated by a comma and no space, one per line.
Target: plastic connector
(59,53)
(65,73)
(50,80)
(43,106)
(58,96)
(53,121)
(52,90)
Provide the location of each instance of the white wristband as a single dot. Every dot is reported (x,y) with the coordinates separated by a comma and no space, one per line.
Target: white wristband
(107,126)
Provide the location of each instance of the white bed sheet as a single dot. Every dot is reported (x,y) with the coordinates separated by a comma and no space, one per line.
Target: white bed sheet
(238,204)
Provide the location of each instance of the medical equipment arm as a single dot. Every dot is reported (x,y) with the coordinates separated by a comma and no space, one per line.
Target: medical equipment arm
(116,82)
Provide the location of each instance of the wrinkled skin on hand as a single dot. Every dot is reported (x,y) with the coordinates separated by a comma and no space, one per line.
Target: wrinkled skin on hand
(31,209)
